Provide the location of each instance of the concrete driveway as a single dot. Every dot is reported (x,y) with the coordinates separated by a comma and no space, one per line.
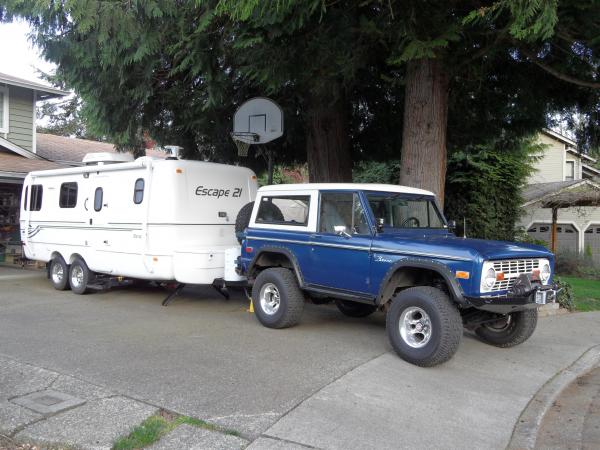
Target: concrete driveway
(329,383)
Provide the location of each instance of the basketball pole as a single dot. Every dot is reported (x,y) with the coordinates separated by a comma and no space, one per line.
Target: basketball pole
(270,166)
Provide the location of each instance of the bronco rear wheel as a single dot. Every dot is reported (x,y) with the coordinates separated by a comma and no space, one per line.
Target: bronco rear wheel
(510,330)
(277,298)
(424,326)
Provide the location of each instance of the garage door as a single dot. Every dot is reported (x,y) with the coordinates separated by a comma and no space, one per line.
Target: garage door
(592,242)
(566,236)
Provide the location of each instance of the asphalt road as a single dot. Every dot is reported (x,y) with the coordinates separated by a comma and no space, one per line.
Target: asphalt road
(202,355)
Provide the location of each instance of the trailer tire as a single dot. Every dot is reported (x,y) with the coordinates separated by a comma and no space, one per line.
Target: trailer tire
(243,218)
(59,273)
(79,276)
(277,299)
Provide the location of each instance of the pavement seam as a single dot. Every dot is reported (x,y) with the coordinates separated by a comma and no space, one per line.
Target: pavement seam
(287,441)
(526,429)
(316,391)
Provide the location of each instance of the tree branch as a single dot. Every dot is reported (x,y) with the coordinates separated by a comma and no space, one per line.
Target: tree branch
(561,76)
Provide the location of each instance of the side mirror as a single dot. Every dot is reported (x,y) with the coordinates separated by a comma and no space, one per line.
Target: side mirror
(452,225)
(380,224)
(340,230)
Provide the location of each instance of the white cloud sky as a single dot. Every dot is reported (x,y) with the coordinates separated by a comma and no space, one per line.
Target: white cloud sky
(19,57)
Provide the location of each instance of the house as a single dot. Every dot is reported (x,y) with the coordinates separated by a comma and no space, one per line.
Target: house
(562,171)
(23,150)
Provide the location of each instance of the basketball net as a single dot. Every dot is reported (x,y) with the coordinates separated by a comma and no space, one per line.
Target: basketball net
(242,147)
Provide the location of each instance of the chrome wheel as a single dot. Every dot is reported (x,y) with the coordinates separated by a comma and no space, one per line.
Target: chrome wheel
(76,276)
(58,273)
(269,298)
(415,327)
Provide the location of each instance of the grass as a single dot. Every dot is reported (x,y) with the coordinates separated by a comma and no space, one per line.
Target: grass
(155,427)
(586,293)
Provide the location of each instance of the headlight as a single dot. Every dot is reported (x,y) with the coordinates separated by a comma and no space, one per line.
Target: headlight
(545,273)
(489,278)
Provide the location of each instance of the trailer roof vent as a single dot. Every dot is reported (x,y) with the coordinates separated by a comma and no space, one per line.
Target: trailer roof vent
(93,159)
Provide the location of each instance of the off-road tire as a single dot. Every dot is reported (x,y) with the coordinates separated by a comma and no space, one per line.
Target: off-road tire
(79,287)
(62,283)
(446,326)
(291,302)
(355,309)
(521,326)
(243,218)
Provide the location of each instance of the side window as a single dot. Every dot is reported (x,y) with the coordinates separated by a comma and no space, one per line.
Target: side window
(284,210)
(68,195)
(26,198)
(138,191)
(35,202)
(342,209)
(98,194)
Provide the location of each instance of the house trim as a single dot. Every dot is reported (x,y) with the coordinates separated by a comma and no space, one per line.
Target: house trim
(19,150)
(33,127)
(5,113)
(575,185)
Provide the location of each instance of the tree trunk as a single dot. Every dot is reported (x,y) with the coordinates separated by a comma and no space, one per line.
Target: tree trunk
(423,163)
(328,141)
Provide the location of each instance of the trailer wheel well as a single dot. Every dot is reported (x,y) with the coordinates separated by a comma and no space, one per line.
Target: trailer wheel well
(56,254)
(74,256)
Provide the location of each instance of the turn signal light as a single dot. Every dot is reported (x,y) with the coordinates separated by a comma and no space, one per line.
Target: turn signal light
(249,249)
(500,276)
(178,171)
(535,275)
(462,274)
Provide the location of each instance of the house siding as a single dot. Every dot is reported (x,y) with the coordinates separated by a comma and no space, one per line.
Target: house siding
(20,112)
(551,164)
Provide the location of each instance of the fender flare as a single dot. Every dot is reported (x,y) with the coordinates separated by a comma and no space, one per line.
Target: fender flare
(281,251)
(454,287)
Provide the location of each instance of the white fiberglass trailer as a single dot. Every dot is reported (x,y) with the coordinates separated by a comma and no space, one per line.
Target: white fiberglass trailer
(163,220)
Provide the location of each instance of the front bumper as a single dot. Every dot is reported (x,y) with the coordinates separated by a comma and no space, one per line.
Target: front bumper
(537,296)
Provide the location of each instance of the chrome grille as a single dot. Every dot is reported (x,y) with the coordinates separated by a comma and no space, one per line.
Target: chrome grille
(512,268)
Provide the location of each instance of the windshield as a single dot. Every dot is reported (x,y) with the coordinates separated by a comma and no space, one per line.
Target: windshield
(405,211)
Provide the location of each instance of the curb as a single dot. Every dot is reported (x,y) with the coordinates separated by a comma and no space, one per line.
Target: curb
(526,429)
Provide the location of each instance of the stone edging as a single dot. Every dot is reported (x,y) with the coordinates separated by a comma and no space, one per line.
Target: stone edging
(526,429)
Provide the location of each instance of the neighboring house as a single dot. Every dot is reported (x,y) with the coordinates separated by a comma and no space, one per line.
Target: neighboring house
(562,169)
(23,150)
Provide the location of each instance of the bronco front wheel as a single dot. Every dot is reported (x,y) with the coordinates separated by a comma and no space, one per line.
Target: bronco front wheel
(424,326)
(510,330)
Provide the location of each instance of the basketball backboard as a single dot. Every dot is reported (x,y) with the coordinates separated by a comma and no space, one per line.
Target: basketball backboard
(258,121)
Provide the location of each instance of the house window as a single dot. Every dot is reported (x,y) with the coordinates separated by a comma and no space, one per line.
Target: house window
(98,195)
(3,110)
(138,191)
(68,195)
(570,174)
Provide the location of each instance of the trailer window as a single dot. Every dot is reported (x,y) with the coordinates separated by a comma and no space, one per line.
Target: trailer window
(138,191)
(98,199)
(35,202)
(68,195)
(284,210)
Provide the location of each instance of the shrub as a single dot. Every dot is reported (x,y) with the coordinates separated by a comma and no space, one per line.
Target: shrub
(565,295)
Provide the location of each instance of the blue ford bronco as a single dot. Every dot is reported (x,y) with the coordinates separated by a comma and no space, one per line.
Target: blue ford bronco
(370,247)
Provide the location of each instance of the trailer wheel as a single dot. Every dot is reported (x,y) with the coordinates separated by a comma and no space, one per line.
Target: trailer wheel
(79,276)
(59,273)
(243,218)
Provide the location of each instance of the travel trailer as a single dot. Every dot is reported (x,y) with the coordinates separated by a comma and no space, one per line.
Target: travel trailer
(162,220)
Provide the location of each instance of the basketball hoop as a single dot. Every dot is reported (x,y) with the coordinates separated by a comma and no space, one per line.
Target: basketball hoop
(243,140)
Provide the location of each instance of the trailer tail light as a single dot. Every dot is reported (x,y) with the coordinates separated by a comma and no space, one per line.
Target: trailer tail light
(178,171)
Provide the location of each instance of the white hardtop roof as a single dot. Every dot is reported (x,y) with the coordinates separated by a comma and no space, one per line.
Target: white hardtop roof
(345,187)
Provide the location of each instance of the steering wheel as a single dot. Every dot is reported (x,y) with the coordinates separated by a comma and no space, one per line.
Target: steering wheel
(407,221)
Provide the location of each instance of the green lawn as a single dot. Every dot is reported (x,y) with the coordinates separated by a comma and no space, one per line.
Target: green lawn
(586,293)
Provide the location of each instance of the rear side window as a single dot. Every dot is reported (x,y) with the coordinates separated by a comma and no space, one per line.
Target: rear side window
(284,210)
(35,202)
(98,199)
(138,191)
(68,195)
